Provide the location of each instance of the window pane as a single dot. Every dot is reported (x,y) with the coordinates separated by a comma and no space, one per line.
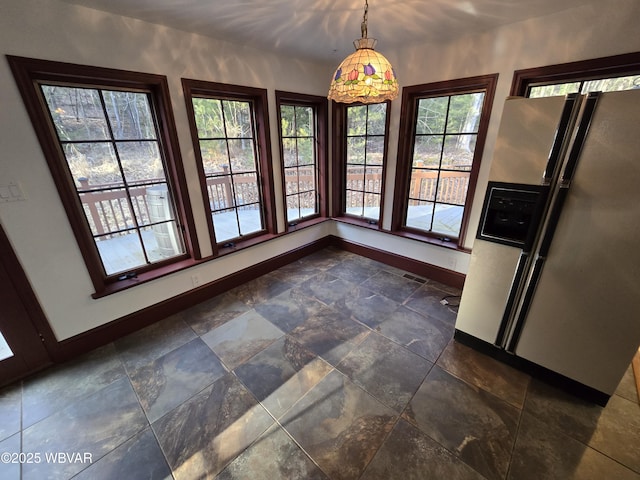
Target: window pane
(373,179)
(458,152)
(129,115)
(447,220)
(612,84)
(291,180)
(225,225)
(141,161)
(121,252)
(237,117)
(307,179)
(452,187)
(554,90)
(215,157)
(293,207)
(308,203)
(356,150)
(427,151)
(306,154)
(423,184)
(300,156)
(246,189)
(107,211)
(112,210)
(376,119)
(420,214)
(464,113)
(162,241)
(365,146)
(220,192)
(355,178)
(356,120)
(287,120)
(250,220)
(93,165)
(208,117)
(77,113)
(241,155)
(304,121)
(153,204)
(375,150)
(354,203)
(290,152)
(371,206)
(431,115)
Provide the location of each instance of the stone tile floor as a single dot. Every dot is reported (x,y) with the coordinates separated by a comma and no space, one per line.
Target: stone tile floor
(332,367)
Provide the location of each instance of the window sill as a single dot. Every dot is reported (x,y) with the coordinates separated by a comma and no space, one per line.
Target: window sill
(305,223)
(241,245)
(144,277)
(359,222)
(449,244)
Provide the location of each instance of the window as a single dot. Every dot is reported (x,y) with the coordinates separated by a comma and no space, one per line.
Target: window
(109,139)
(229,128)
(443,128)
(361,144)
(619,72)
(303,139)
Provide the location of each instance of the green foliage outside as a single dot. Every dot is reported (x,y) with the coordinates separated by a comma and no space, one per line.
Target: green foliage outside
(601,85)
(86,133)
(446,131)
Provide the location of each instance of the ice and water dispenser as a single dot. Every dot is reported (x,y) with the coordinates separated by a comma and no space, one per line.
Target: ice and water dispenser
(511,213)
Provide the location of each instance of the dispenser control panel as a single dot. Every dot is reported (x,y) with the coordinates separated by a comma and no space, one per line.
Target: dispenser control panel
(511,213)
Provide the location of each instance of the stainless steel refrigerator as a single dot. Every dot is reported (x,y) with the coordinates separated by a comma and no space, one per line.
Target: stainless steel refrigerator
(554,277)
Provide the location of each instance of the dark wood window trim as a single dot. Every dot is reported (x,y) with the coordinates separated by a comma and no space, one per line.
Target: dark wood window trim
(593,69)
(338,163)
(257,97)
(28,73)
(410,97)
(320,108)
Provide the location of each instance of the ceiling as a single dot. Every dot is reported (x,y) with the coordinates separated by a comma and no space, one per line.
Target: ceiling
(323,30)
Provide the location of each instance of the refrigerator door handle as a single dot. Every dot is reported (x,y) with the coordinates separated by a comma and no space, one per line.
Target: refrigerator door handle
(559,141)
(526,303)
(567,175)
(581,136)
(514,292)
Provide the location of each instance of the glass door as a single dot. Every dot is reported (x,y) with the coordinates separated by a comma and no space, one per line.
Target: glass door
(5,349)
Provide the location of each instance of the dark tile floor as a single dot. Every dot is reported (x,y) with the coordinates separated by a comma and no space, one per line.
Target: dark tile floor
(333,367)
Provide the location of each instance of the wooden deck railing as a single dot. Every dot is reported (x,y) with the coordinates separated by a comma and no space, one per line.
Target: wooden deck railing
(452,187)
(108,210)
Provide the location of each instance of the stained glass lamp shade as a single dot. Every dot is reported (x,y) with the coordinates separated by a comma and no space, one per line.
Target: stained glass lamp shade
(365,76)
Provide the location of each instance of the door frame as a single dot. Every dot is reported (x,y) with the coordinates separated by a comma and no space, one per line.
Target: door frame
(23,322)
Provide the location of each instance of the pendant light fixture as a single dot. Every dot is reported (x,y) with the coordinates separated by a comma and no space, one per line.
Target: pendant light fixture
(365,76)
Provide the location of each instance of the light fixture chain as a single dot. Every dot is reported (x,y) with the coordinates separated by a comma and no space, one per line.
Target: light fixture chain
(363,27)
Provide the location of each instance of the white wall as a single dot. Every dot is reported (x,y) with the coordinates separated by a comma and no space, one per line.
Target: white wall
(38,227)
